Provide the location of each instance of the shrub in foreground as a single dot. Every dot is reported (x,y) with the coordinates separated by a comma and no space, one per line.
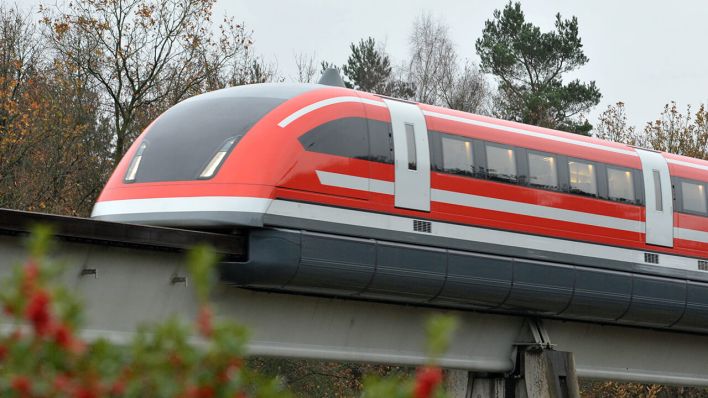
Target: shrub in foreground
(42,355)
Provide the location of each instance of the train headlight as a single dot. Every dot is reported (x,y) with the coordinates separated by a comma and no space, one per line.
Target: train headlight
(135,163)
(219,157)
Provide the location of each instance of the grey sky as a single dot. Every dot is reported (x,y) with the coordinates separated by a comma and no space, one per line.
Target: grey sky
(644,53)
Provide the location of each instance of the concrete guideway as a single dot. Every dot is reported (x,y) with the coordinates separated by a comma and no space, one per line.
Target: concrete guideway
(124,286)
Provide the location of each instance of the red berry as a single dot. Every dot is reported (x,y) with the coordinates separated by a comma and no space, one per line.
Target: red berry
(29,277)
(63,337)
(231,369)
(21,384)
(206,392)
(118,387)
(85,392)
(61,383)
(37,312)
(175,360)
(204,321)
(426,380)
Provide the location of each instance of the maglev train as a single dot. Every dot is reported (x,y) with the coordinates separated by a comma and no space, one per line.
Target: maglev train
(351,194)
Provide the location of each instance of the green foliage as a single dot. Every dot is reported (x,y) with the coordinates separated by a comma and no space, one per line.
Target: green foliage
(42,355)
(324,65)
(368,69)
(200,261)
(530,65)
(439,330)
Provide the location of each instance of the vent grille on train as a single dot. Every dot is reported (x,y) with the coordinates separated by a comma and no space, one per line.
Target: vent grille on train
(422,226)
(651,258)
(703,265)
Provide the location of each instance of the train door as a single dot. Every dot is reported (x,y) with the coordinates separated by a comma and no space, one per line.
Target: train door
(411,155)
(659,199)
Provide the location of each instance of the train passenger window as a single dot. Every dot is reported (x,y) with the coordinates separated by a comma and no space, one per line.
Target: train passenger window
(457,156)
(621,185)
(380,141)
(583,178)
(501,163)
(694,197)
(345,137)
(657,191)
(542,171)
(410,143)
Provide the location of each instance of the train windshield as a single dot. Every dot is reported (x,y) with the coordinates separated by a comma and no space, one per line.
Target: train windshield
(192,139)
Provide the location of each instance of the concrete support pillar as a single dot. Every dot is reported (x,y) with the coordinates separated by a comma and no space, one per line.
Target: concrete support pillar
(487,387)
(540,373)
(456,381)
(546,374)
(464,384)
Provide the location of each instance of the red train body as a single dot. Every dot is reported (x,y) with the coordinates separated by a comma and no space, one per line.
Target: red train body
(385,183)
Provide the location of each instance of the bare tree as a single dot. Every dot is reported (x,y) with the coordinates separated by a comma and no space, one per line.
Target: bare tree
(54,148)
(465,89)
(679,133)
(612,125)
(146,52)
(439,76)
(306,67)
(432,57)
(20,58)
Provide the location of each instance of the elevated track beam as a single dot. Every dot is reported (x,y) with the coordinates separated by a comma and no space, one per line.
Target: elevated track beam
(139,276)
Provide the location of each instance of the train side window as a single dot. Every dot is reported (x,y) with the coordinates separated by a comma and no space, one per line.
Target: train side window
(410,144)
(345,137)
(380,141)
(457,156)
(621,185)
(542,170)
(694,197)
(657,190)
(501,164)
(583,177)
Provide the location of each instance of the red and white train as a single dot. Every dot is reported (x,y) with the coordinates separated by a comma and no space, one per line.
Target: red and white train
(348,193)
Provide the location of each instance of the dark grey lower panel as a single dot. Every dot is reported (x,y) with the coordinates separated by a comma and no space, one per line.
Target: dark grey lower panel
(318,263)
(486,248)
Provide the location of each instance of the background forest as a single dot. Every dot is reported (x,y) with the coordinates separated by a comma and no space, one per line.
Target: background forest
(79,81)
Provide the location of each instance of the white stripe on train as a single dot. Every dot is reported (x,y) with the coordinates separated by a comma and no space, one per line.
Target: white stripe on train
(484,202)
(385,222)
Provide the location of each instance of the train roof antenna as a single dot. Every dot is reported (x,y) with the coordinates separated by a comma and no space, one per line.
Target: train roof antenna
(330,77)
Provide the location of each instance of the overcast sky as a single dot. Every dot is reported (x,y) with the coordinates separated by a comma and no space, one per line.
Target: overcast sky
(644,53)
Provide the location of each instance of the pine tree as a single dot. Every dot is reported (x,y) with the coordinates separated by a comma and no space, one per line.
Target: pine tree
(368,69)
(530,65)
